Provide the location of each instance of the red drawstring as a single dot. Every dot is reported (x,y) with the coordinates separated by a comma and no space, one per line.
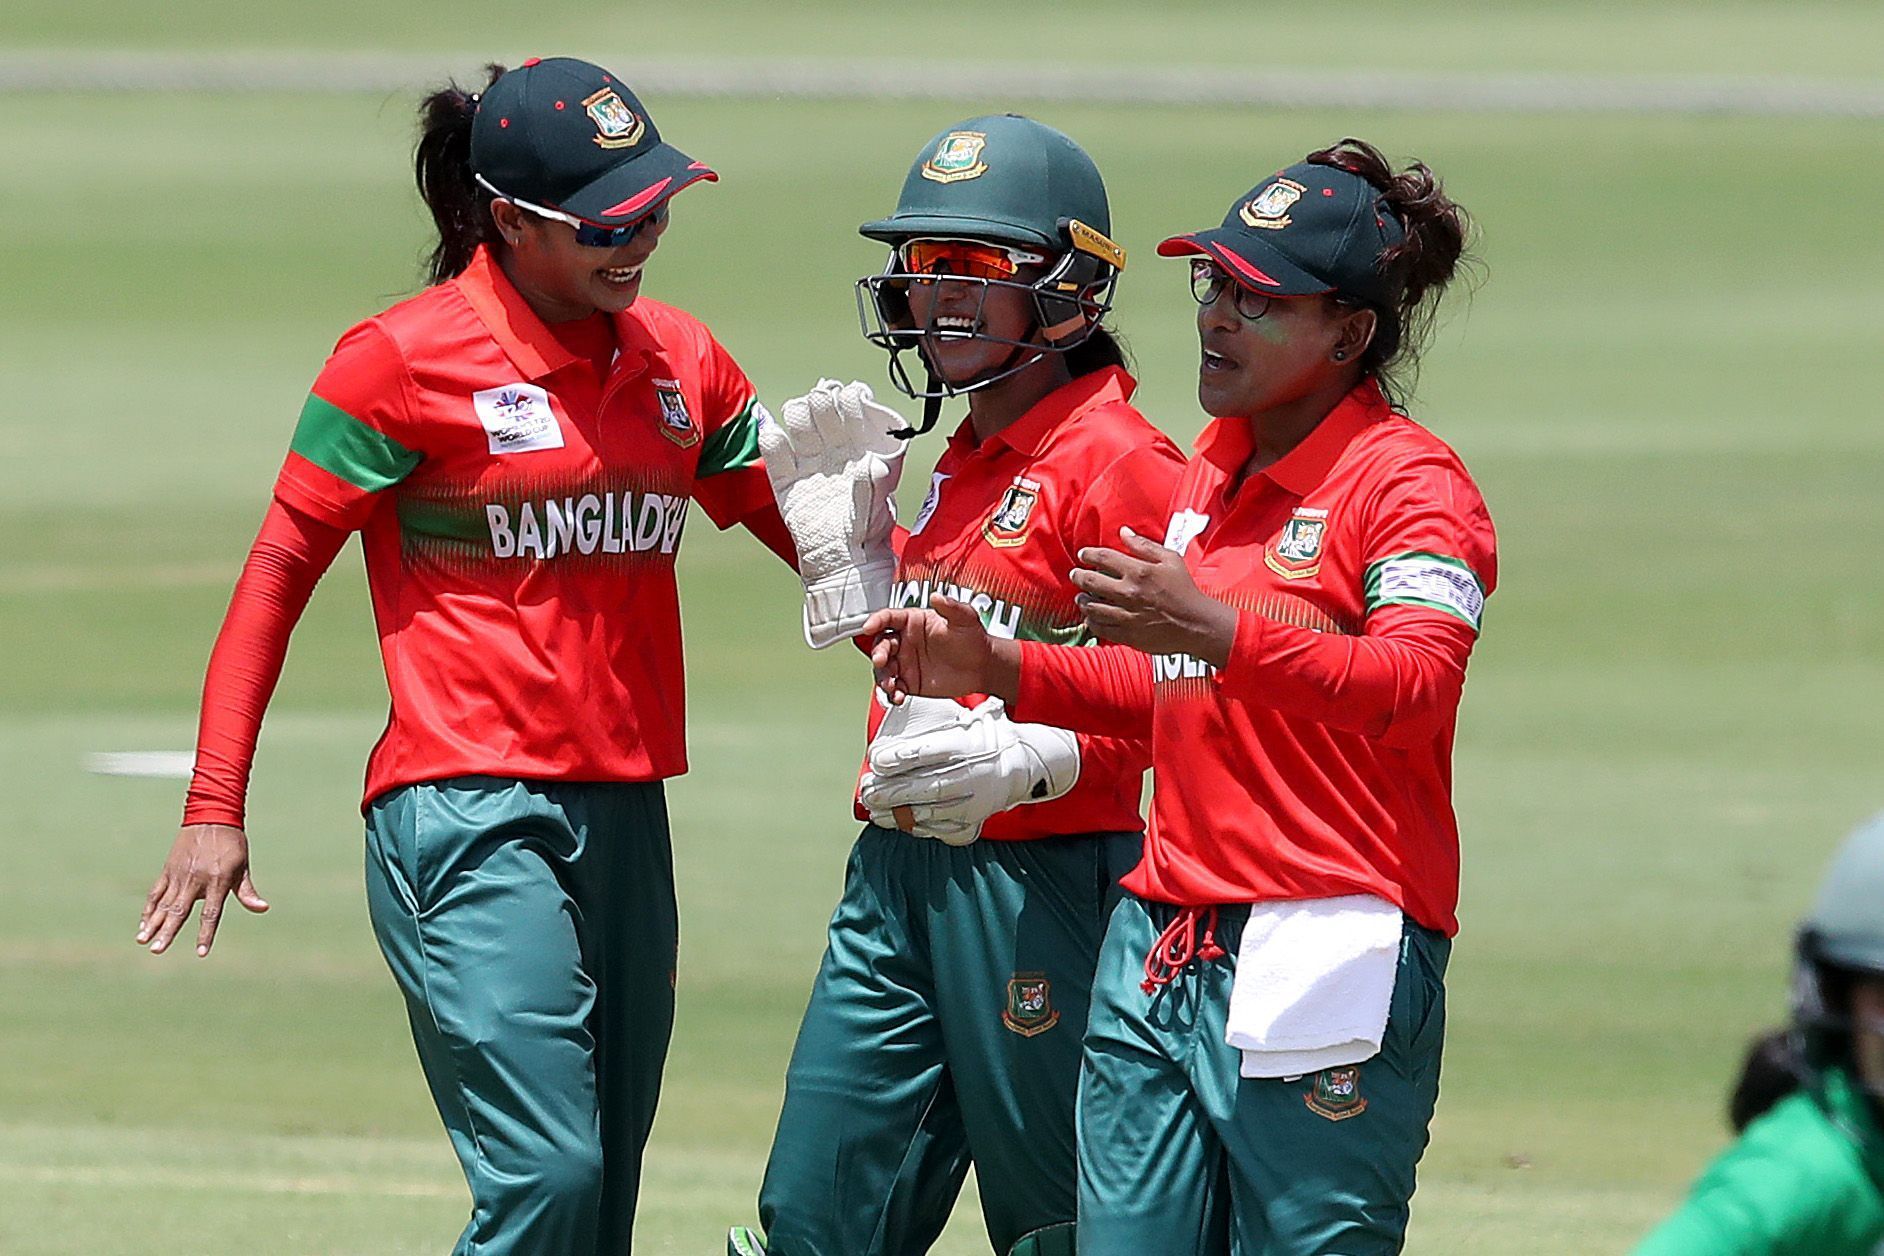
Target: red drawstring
(1177,946)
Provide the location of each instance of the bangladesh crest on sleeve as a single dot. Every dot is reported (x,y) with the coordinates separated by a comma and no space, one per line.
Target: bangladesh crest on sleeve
(1030,1007)
(1008,524)
(1295,554)
(1336,1093)
(676,424)
(957,157)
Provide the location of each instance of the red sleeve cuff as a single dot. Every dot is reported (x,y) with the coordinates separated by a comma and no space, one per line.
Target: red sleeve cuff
(732,496)
(1245,653)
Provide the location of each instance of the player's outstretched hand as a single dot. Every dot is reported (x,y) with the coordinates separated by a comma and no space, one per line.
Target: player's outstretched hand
(207,863)
(1145,598)
(942,652)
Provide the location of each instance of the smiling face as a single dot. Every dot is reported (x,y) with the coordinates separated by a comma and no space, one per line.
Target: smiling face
(953,311)
(563,279)
(1250,367)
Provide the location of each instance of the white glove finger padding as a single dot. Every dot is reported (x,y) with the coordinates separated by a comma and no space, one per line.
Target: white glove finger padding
(875,423)
(775,449)
(915,716)
(951,830)
(925,752)
(798,427)
(885,793)
(833,414)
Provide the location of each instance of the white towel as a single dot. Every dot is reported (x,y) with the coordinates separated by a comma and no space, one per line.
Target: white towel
(1314,981)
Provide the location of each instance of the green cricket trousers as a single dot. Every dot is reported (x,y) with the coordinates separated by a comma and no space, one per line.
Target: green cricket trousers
(944,1027)
(532,928)
(1175,1145)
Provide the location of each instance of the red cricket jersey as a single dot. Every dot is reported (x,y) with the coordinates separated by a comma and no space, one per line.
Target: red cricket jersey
(521,515)
(998,530)
(1319,762)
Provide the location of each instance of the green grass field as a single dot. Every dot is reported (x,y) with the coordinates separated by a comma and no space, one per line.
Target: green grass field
(1667,386)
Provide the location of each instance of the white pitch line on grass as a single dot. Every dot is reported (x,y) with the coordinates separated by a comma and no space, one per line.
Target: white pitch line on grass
(836,78)
(221,1182)
(160,764)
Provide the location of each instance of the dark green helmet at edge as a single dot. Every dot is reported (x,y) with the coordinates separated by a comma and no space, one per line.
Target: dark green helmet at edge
(1845,927)
(1841,936)
(1001,177)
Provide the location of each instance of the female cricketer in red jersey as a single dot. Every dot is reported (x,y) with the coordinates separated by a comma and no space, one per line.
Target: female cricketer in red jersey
(945,1021)
(1270,1003)
(517,445)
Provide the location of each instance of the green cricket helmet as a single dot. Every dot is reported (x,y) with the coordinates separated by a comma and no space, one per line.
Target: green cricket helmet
(1841,938)
(1011,182)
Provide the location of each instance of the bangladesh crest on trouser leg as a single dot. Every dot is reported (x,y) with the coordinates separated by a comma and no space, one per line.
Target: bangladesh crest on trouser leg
(1030,1007)
(1336,1093)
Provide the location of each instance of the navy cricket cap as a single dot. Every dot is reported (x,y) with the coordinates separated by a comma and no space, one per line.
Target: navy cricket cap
(1305,230)
(568,135)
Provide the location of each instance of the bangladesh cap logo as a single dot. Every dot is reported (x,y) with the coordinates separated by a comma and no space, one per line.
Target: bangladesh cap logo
(1008,524)
(1030,1009)
(1296,554)
(676,423)
(616,125)
(1269,208)
(957,157)
(1336,1093)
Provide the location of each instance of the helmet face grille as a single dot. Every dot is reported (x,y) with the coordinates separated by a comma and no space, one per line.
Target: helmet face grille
(1069,303)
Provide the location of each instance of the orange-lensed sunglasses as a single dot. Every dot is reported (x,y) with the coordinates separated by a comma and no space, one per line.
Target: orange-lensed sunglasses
(964,259)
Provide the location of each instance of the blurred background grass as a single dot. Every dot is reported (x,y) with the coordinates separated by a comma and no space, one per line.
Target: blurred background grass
(1668,387)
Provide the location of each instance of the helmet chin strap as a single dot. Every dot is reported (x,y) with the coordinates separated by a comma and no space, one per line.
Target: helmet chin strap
(931,413)
(932,403)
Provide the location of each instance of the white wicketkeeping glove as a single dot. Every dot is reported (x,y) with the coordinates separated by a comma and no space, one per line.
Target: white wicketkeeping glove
(941,773)
(834,466)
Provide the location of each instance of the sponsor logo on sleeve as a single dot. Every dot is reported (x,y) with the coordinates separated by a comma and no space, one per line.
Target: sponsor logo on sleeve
(1433,580)
(1296,552)
(676,424)
(517,419)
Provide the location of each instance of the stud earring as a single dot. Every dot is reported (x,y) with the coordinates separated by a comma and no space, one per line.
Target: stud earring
(1340,355)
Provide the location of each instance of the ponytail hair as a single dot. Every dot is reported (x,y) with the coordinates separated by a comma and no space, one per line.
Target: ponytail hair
(441,161)
(1100,349)
(1418,268)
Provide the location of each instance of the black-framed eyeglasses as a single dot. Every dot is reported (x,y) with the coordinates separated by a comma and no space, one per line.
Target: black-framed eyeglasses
(1208,281)
(588,234)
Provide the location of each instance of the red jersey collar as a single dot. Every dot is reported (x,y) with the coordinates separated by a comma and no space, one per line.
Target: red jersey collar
(525,339)
(1026,434)
(1228,443)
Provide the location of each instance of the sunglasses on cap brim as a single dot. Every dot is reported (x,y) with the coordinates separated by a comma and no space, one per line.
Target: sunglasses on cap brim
(963,259)
(589,234)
